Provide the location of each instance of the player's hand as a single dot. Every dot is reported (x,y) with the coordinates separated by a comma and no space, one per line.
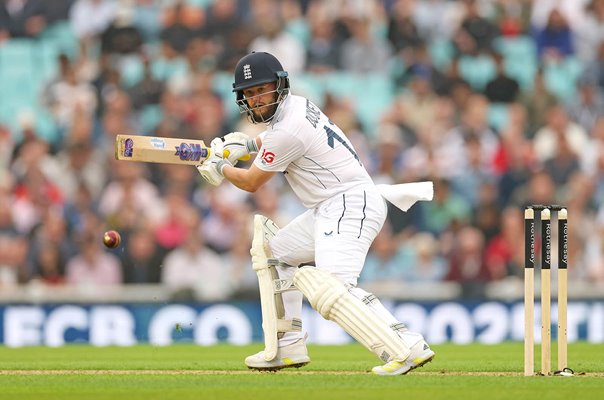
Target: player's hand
(211,168)
(239,146)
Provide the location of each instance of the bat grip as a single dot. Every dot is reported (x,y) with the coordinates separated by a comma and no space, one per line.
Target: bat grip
(225,154)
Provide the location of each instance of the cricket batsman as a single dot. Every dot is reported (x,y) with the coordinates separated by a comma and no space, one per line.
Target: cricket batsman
(320,254)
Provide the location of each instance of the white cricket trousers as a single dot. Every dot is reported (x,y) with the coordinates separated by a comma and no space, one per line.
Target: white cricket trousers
(336,236)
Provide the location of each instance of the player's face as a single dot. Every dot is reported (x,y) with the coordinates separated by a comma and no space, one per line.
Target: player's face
(262,100)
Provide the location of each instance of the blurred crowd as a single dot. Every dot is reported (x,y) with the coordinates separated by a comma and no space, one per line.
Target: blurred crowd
(499,102)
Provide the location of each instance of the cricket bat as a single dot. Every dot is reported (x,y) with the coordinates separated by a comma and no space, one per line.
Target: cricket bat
(162,150)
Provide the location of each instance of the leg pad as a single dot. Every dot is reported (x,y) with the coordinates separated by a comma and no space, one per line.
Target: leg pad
(273,322)
(334,302)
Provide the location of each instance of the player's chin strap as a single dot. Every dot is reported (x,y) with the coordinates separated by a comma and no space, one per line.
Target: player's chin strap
(274,323)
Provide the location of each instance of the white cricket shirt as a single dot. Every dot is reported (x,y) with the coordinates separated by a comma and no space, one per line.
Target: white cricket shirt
(316,157)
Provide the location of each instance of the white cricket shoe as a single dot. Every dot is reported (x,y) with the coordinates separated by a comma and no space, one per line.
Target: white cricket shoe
(420,354)
(293,355)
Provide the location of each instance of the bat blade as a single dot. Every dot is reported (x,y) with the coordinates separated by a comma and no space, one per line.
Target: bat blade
(162,150)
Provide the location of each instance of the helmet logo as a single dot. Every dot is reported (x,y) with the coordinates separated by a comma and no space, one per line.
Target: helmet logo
(247,71)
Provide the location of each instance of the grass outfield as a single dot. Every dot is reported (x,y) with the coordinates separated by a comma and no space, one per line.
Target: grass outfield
(336,372)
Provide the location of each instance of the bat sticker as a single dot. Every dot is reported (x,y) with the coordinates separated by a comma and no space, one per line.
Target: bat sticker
(190,152)
(128,147)
(158,143)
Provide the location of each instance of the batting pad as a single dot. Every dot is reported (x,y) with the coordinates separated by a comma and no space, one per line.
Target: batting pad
(334,302)
(273,313)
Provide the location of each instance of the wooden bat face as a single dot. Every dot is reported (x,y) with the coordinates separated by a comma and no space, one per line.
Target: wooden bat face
(160,150)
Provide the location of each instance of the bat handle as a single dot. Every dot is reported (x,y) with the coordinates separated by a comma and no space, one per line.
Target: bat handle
(226,153)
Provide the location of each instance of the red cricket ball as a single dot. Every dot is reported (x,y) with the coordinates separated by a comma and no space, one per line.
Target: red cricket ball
(112,239)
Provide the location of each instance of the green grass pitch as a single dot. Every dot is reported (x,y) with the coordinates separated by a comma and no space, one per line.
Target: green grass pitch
(336,372)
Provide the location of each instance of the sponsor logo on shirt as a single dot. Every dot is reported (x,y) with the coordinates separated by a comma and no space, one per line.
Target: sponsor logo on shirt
(267,156)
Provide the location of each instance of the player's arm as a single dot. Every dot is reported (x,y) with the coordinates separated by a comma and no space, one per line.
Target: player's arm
(247,179)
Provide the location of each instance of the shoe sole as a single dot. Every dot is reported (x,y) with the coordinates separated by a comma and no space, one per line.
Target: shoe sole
(278,367)
(421,364)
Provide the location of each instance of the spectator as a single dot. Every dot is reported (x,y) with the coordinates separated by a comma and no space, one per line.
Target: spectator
(468,184)
(130,197)
(402,32)
(486,215)
(238,261)
(34,195)
(78,163)
(584,228)
(48,266)
(147,17)
(558,124)
(540,189)
(266,201)
(596,68)
(89,18)
(594,271)
(386,262)
(514,162)
(59,12)
(172,231)
(416,107)
(467,261)
(142,260)
(13,261)
(205,115)
(122,35)
(322,54)
(92,266)
(81,206)
(440,25)
(445,211)
(274,39)
(180,22)
(476,33)
(592,159)
(588,105)
(563,164)
(228,32)
(148,90)
(51,232)
(513,17)
(192,270)
(426,264)
(451,149)
(537,101)
(222,217)
(21,18)
(502,88)
(70,96)
(555,41)
(590,33)
(386,164)
(364,53)
(7,146)
(505,252)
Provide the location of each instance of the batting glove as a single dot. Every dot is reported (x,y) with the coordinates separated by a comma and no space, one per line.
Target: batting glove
(239,146)
(211,168)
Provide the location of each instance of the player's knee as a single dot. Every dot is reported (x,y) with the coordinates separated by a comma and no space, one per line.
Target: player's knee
(322,289)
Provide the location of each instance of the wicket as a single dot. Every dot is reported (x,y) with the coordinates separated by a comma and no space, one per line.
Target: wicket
(533,215)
